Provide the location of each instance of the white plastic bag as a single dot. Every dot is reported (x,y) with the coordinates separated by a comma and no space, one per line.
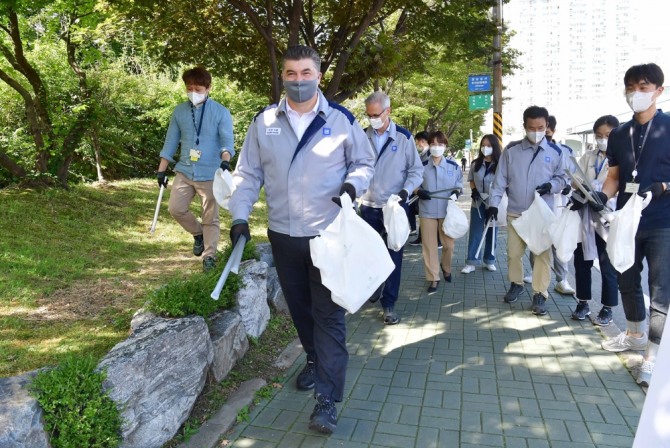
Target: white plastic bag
(566,233)
(223,187)
(352,258)
(502,212)
(623,227)
(396,223)
(455,224)
(533,225)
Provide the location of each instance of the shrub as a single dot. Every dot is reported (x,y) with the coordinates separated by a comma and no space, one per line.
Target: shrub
(77,412)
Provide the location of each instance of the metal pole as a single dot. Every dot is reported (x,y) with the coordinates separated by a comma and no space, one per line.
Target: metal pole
(472,145)
(497,72)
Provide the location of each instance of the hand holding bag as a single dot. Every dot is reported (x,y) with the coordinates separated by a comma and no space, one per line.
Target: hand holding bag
(533,225)
(396,223)
(455,224)
(623,227)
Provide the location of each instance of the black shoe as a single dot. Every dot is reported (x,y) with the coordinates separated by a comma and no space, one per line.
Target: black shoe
(416,242)
(390,317)
(581,311)
(431,288)
(208,263)
(447,276)
(439,245)
(513,293)
(324,415)
(198,245)
(538,307)
(305,379)
(377,294)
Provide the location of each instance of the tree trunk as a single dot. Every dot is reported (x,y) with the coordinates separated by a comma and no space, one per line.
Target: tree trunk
(7,163)
(95,139)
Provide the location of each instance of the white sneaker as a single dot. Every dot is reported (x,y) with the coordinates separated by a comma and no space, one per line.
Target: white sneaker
(528,279)
(644,375)
(467,269)
(491,267)
(623,342)
(564,287)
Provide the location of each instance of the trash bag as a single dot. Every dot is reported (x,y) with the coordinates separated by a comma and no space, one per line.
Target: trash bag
(533,225)
(455,224)
(223,187)
(502,212)
(352,258)
(396,223)
(623,227)
(566,233)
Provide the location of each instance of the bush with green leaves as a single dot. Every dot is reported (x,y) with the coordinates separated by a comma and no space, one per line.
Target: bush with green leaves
(183,297)
(77,412)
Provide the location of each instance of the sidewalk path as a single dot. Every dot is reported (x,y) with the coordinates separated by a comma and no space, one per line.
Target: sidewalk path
(465,369)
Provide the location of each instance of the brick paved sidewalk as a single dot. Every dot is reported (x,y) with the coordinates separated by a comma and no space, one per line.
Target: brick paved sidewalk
(465,369)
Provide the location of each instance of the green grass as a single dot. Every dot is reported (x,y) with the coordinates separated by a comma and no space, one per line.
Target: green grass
(76,264)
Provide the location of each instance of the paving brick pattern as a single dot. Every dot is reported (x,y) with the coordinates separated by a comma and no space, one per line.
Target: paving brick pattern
(465,369)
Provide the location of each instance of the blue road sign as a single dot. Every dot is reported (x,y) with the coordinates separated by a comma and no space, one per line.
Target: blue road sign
(479,83)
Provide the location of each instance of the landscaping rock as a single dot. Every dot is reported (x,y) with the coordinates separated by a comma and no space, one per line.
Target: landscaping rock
(140,317)
(275,294)
(265,253)
(156,375)
(20,416)
(251,299)
(229,341)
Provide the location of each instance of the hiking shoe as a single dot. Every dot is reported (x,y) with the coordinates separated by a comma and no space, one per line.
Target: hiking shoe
(390,317)
(431,288)
(490,267)
(623,342)
(305,379)
(528,279)
(604,317)
(538,307)
(324,415)
(644,375)
(467,269)
(581,311)
(208,263)
(563,287)
(198,245)
(416,242)
(513,293)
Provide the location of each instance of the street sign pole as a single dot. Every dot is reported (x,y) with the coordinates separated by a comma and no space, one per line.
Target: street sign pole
(497,72)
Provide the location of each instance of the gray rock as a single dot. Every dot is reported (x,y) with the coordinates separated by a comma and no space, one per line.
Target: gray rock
(140,317)
(275,294)
(20,416)
(229,341)
(156,375)
(265,252)
(251,299)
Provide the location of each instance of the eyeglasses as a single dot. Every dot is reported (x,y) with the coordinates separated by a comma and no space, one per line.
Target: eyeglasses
(376,115)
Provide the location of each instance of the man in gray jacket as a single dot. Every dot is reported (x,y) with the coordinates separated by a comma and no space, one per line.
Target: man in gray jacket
(306,152)
(534,164)
(398,170)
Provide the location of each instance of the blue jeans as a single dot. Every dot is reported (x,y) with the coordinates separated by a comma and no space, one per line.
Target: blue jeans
(610,293)
(375,217)
(477,224)
(654,245)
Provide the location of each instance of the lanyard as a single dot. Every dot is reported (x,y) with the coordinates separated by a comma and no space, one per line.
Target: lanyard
(199,126)
(386,144)
(632,146)
(599,168)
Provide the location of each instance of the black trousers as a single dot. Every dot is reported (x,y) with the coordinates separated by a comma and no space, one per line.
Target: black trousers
(319,321)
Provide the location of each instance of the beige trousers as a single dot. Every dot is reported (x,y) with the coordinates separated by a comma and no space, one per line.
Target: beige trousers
(431,263)
(515,252)
(181,195)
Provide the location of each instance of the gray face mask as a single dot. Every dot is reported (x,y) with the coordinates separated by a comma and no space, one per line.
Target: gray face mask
(301,91)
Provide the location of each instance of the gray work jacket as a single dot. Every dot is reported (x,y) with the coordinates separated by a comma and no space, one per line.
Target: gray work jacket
(447,175)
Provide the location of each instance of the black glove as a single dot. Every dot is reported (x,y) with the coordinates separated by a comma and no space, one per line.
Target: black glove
(348,189)
(225,165)
(603,199)
(491,213)
(423,194)
(403,196)
(162,179)
(655,188)
(238,230)
(475,194)
(566,190)
(543,189)
(576,205)
(456,192)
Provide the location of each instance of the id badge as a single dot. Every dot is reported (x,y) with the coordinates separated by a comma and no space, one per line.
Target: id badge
(632,187)
(195,155)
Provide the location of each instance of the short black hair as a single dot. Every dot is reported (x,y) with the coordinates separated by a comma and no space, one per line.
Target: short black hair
(423,135)
(609,120)
(300,52)
(551,122)
(651,73)
(197,76)
(535,112)
(438,137)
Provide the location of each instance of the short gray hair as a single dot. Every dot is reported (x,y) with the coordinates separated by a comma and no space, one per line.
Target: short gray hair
(379,98)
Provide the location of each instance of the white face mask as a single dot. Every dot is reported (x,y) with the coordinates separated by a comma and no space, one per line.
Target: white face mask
(196,98)
(640,101)
(601,143)
(376,123)
(437,150)
(487,151)
(535,137)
